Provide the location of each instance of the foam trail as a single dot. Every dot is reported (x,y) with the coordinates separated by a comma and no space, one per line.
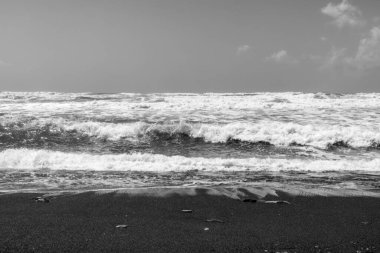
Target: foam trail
(37,159)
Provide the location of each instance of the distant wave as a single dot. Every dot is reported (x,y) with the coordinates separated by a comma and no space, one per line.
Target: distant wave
(285,100)
(263,132)
(40,159)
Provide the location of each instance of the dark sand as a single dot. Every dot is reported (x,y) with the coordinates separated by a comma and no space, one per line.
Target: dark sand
(86,223)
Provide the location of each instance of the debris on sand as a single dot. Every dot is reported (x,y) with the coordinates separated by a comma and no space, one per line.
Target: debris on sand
(275,202)
(186,211)
(41,200)
(250,200)
(266,201)
(122,226)
(214,220)
(206,229)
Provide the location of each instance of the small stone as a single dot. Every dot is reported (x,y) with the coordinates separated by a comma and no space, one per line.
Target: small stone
(41,200)
(206,229)
(122,226)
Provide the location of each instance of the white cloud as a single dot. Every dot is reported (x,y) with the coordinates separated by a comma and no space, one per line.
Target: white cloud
(242,49)
(366,57)
(368,54)
(281,56)
(344,14)
(336,57)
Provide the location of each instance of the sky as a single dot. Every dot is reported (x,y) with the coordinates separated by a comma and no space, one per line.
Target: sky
(190,45)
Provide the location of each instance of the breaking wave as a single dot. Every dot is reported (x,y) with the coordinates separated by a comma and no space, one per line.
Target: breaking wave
(44,159)
(52,140)
(264,132)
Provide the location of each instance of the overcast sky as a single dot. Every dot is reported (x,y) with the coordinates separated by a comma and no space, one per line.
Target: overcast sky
(190,45)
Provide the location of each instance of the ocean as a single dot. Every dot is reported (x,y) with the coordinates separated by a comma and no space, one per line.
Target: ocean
(90,141)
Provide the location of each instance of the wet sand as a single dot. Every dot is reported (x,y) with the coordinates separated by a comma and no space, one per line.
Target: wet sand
(87,223)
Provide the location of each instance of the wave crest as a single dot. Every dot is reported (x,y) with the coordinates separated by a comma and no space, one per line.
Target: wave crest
(263,132)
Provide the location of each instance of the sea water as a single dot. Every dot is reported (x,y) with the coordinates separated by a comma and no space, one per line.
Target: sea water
(85,141)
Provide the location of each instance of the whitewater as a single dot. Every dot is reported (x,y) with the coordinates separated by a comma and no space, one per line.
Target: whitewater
(72,141)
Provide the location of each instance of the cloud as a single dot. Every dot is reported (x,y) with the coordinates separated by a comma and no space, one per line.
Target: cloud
(281,56)
(242,49)
(368,54)
(3,63)
(344,14)
(366,57)
(335,58)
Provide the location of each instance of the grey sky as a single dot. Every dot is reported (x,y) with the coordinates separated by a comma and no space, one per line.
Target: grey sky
(190,46)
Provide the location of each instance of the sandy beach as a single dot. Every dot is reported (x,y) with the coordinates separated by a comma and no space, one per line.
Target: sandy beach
(87,222)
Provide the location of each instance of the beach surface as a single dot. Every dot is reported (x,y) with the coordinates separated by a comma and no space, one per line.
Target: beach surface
(87,222)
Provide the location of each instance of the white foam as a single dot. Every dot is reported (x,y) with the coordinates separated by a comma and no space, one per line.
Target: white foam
(221,108)
(279,118)
(284,134)
(276,133)
(37,159)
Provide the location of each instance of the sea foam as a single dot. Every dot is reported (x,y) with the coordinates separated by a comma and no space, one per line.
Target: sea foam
(276,133)
(272,132)
(54,160)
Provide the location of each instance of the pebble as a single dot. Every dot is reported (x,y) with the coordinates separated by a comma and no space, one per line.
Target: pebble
(41,199)
(122,226)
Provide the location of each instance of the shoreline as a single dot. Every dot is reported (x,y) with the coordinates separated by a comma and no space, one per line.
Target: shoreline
(87,222)
(258,190)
